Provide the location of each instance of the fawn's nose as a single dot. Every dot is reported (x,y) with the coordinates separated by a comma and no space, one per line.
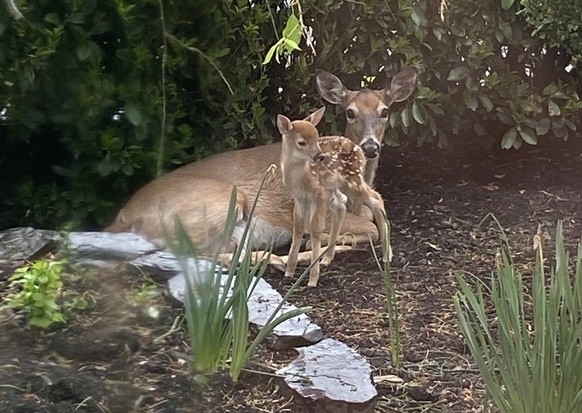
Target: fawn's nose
(319,157)
(371,148)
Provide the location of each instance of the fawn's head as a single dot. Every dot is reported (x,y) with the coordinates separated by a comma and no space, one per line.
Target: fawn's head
(367,111)
(301,138)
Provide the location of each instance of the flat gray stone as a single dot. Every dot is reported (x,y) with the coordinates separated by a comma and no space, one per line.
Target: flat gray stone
(330,377)
(263,301)
(161,265)
(103,246)
(26,243)
(21,245)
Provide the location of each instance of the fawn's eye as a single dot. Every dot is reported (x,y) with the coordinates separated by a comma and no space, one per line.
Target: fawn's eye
(301,143)
(351,114)
(384,113)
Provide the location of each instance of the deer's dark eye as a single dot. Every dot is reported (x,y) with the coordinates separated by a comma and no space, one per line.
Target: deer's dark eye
(301,143)
(351,114)
(385,113)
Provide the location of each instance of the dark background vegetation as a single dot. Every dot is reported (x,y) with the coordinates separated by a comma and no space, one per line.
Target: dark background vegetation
(95,100)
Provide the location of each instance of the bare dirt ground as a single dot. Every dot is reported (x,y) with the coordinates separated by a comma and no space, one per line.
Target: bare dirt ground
(114,357)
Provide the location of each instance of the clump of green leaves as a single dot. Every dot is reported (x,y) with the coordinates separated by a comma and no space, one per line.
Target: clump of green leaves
(529,353)
(40,287)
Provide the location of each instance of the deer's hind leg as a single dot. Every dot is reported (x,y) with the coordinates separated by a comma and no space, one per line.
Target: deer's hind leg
(374,201)
(337,207)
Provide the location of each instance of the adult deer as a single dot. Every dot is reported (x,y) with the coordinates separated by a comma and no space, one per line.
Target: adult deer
(199,192)
(321,175)
(367,111)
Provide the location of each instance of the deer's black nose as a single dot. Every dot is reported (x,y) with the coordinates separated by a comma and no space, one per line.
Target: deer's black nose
(371,148)
(319,157)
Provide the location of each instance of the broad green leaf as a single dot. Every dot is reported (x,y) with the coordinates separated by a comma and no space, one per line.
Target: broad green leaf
(528,135)
(419,113)
(53,18)
(486,103)
(543,126)
(292,30)
(553,108)
(270,54)
(509,138)
(405,117)
(84,51)
(290,45)
(458,73)
(470,101)
(133,113)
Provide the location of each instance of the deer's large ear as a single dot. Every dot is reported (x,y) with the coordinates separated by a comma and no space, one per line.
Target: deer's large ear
(316,116)
(330,87)
(284,124)
(403,84)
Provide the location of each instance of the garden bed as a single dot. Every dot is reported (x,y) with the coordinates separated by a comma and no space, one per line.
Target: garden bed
(115,357)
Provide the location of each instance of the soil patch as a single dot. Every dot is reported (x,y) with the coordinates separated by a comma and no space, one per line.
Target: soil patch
(116,357)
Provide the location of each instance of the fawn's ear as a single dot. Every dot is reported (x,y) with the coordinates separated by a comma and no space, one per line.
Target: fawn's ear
(316,116)
(284,124)
(403,84)
(330,87)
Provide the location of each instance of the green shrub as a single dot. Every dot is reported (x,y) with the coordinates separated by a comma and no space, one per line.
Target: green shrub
(40,287)
(529,353)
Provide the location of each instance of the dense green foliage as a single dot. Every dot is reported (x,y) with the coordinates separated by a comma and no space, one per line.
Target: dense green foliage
(95,100)
(557,22)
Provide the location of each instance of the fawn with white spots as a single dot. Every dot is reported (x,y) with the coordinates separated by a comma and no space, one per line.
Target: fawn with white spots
(321,175)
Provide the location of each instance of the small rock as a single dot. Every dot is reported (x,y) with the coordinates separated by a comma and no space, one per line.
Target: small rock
(330,377)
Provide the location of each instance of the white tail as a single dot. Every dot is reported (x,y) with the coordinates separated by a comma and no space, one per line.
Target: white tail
(199,193)
(321,175)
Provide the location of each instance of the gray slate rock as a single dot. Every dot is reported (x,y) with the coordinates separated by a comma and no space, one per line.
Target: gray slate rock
(21,245)
(26,243)
(330,377)
(95,247)
(263,301)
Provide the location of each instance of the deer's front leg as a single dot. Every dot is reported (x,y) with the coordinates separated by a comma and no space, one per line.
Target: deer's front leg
(316,227)
(298,227)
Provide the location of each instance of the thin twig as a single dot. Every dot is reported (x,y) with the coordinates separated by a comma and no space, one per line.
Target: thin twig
(196,50)
(164,100)
(175,327)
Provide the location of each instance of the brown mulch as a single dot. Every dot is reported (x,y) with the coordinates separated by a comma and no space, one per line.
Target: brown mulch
(115,357)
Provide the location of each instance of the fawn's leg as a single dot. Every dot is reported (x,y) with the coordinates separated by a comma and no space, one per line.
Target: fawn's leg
(316,227)
(298,227)
(337,206)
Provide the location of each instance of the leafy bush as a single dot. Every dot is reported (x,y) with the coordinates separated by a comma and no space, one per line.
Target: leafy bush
(529,353)
(99,97)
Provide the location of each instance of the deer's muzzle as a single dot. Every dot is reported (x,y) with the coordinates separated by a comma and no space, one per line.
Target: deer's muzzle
(371,148)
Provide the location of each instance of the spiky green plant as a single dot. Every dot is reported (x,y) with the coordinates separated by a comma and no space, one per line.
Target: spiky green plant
(216,307)
(530,362)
